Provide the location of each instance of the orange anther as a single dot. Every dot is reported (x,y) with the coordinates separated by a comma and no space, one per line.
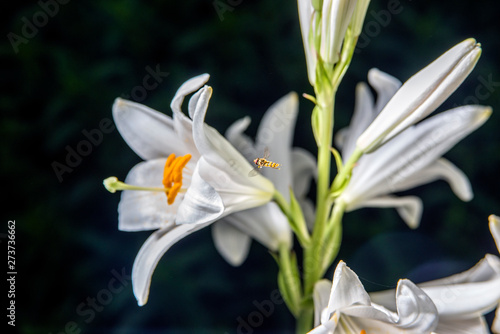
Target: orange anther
(172,193)
(172,175)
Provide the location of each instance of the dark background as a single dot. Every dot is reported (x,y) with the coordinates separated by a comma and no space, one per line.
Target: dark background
(63,81)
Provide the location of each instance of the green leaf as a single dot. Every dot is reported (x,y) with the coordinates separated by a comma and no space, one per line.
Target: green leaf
(289,281)
(315,125)
(338,159)
(317,5)
(298,222)
(333,239)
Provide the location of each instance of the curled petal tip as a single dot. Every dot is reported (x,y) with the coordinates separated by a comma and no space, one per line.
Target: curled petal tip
(494,221)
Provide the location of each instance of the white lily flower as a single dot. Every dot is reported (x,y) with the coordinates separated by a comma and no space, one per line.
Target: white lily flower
(421,94)
(325,39)
(462,299)
(144,206)
(154,136)
(221,175)
(344,307)
(266,224)
(162,192)
(413,158)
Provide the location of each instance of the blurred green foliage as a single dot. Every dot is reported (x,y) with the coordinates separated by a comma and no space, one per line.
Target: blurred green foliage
(64,79)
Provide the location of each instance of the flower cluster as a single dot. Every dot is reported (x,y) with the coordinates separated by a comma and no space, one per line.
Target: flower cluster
(193,177)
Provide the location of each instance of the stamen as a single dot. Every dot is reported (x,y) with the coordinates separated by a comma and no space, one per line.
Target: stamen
(172,179)
(172,175)
(362,332)
(172,193)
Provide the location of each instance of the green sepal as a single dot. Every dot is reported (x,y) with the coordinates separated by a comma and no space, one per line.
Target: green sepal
(289,282)
(339,189)
(317,5)
(298,223)
(333,239)
(338,159)
(309,97)
(323,82)
(344,176)
(315,125)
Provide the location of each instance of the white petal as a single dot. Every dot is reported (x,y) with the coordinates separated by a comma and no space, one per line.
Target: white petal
(303,170)
(422,94)
(275,132)
(379,172)
(183,125)
(475,325)
(309,212)
(441,169)
(358,16)
(408,207)
(364,114)
(385,85)
(267,224)
(239,140)
(201,203)
(321,296)
(148,132)
(321,329)
(495,328)
(336,15)
(149,255)
(231,243)
(494,223)
(224,168)
(305,16)
(339,138)
(415,313)
(473,292)
(465,295)
(415,309)
(146,210)
(188,87)
(346,290)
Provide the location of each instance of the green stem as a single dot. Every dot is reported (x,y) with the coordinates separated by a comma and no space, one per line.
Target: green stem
(327,233)
(305,321)
(313,256)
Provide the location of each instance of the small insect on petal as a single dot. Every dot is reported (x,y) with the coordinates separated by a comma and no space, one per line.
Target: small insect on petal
(263,162)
